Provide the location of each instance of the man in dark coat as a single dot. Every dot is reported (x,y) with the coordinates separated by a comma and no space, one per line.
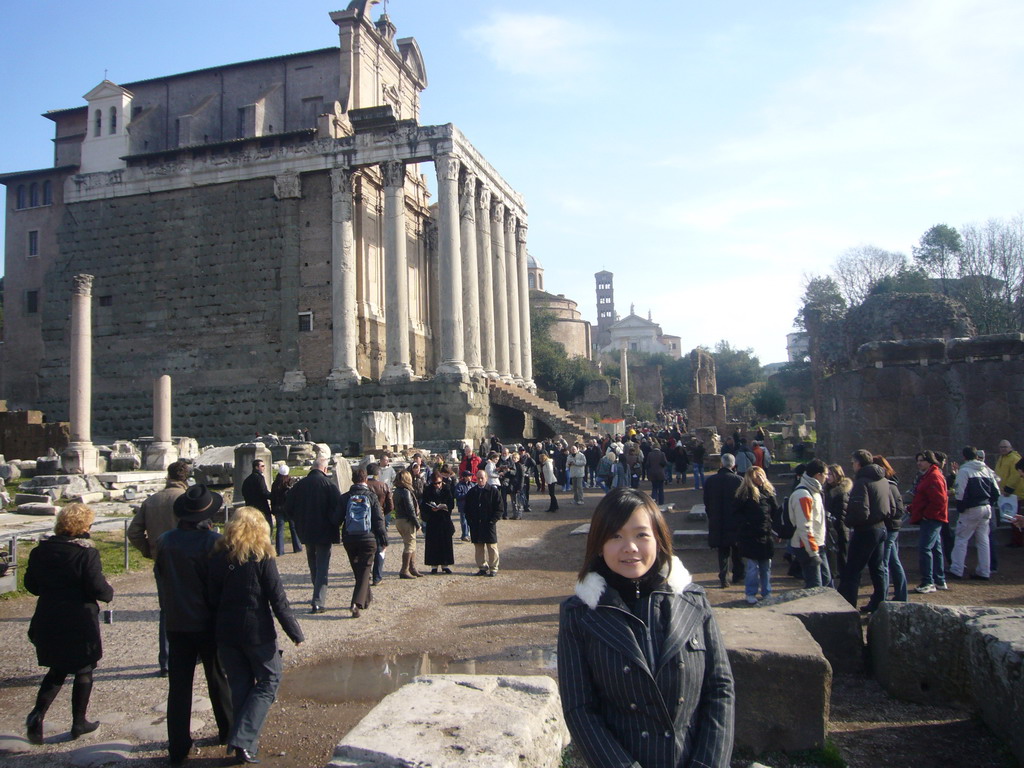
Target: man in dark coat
(314,504)
(361,538)
(483,510)
(182,582)
(255,491)
(720,505)
(870,505)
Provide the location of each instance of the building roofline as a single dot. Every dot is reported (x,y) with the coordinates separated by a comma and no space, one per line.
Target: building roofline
(218,144)
(5,177)
(52,113)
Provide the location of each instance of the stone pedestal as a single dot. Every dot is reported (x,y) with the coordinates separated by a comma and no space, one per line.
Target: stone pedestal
(80,459)
(245,455)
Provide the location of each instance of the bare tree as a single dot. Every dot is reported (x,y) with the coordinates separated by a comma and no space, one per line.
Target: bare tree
(859,269)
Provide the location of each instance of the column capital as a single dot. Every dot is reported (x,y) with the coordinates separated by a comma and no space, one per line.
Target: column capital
(393,173)
(341,181)
(510,223)
(521,233)
(447,166)
(81,285)
(483,198)
(467,195)
(497,211)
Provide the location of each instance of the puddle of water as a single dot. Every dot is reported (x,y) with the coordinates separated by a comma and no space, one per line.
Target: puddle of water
(371,678)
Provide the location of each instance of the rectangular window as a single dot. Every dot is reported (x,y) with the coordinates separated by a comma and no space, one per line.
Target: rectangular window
(31,302)
(106,301)
(305,322)
(33,242)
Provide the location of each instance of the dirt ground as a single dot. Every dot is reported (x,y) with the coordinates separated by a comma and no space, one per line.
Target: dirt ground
(461,622)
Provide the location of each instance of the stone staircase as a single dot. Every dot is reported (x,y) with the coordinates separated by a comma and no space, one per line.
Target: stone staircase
(554,416)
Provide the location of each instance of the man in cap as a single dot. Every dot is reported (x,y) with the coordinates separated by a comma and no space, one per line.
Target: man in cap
(181,570)
(155,518)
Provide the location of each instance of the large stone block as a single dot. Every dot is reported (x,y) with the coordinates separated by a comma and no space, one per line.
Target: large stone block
(995,657)
(245,455)
(833,623)
(775,660)
(464,721)
(919,651)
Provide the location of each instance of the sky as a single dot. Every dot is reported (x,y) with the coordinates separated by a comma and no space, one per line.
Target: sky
(710,155)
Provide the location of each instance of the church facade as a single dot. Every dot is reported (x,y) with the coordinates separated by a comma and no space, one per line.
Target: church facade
(263,233)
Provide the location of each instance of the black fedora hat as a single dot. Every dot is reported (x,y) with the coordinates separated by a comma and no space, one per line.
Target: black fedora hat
(196,504)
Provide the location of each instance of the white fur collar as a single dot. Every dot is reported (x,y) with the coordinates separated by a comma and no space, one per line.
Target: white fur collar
(592,586)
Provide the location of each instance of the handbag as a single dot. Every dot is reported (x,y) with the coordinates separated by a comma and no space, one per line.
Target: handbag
(1007,508)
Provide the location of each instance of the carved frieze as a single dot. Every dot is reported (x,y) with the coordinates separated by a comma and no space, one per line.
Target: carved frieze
(287,185)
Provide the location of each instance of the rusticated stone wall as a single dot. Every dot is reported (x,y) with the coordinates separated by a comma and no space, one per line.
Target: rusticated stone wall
(24,434)
(904,396)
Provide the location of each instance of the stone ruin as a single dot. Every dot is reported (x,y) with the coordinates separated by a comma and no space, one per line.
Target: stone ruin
(706,407)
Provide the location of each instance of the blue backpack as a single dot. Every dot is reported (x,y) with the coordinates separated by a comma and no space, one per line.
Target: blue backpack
(357,513)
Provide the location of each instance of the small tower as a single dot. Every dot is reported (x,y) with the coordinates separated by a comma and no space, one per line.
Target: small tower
(106,140)
(534,273)
(605,308)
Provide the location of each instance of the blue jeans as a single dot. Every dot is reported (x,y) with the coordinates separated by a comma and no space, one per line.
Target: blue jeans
(658,491)
(814,575)
(893,568)
(463,523)
(759,573)
(866,549)
(254,673)
(279,521)
(318,556)
(698,475)
(929,550)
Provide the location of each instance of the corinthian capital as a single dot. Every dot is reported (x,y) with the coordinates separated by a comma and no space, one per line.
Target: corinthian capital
(498,212)
(521,233)
(483,200)
(341,181)
(447,166)
(81,285)
(393,172)
(467,195)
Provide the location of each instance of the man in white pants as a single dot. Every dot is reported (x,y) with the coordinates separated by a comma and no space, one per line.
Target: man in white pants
(977,493)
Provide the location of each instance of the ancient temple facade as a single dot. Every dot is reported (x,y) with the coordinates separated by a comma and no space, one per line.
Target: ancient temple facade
(263,233)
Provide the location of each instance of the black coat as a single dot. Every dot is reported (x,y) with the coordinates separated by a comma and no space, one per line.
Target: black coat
(719,503)
(67,576)
(438,528)
(754,527)
(182,572)
(378,528)
(313,504)
(651,689)
(244,594)
(255,493)
(483,510)
(870,498)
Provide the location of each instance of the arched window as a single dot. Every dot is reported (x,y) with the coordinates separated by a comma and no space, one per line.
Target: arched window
(113,119)
(33,195)
(20,203)
(98,128)
(533,282)
(47,192)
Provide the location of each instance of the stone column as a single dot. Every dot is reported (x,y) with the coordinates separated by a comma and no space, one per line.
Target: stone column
(81,456)
(624,374)
(470,282)
(344,335)
(452,365)
(486,281)
(525,342)
(515,360)
(499,287)
(162,452)
(396,278)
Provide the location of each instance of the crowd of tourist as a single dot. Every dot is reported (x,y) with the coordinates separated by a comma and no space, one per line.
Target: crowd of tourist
(833,527)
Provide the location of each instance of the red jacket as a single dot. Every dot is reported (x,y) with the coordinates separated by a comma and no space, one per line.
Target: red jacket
(469,464)
(931,499)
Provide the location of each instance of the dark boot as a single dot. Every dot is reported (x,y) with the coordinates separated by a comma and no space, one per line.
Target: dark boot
(412,565)
(81,690)
(404,573)
(48,691)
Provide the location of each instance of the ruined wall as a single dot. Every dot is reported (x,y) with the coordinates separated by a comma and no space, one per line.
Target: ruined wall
(905,396)
(24,434)
(645,381)
(227,415)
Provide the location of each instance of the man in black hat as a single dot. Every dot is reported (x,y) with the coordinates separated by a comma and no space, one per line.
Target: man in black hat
(182,565)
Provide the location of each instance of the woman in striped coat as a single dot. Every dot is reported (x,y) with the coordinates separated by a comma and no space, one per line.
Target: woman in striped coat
(642,670)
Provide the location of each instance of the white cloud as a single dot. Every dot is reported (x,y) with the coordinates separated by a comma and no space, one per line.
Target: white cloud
(540,46)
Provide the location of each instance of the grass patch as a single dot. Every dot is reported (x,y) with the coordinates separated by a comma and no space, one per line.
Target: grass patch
(110,545)
(828,756)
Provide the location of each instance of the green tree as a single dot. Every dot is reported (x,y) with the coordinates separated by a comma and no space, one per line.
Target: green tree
(909,280)
(735,367)
(822,292)
(769,401)
(553,370)
(938,251)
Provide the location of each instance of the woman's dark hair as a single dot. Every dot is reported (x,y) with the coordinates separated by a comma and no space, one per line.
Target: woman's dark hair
(613,512)
(928,456)
(881,461)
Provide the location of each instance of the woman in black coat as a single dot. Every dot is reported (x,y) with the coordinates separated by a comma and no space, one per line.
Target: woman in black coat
(65,571)
(755,508)
(643,672)
(438,529)
(245,587)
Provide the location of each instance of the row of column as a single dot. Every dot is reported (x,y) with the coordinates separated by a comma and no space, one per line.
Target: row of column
(484,301)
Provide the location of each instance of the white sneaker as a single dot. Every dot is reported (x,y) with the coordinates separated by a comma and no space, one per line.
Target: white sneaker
(751,601)
(925,589)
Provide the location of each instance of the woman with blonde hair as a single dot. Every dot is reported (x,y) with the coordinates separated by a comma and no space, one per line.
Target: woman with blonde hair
(755,509)
(407,521)
(66,573)
(246,588)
